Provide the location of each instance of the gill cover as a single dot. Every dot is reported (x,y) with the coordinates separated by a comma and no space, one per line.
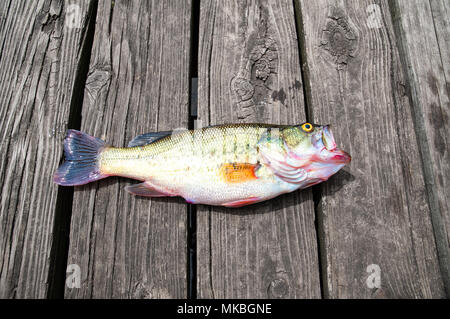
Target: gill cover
(275,154)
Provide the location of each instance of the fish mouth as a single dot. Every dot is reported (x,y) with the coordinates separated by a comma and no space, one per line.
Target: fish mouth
(336,156)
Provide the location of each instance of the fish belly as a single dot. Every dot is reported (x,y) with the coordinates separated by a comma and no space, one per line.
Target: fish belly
(221,194)
(204,176)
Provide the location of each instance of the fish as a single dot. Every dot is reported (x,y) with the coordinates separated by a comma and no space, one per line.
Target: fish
(229,165)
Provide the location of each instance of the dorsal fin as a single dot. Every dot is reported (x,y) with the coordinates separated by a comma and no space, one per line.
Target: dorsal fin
(148,138)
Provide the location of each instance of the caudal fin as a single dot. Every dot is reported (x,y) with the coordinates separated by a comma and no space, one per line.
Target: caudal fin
(81,165)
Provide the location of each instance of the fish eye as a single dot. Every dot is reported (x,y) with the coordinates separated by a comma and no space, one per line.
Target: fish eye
(307,127)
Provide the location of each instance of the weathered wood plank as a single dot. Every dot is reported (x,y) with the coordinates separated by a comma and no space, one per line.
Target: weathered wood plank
(127,246)
(425,42)
(39,53)
(379,214)
(249,72)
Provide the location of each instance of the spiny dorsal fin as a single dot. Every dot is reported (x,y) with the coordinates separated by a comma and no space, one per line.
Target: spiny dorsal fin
(148,138)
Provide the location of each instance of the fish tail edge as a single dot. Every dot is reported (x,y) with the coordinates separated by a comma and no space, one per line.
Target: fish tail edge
(81,164)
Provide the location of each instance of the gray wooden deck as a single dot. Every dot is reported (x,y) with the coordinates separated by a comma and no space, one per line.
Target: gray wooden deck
(375,70)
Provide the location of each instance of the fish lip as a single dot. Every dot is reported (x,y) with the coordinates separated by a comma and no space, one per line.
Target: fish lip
(328,138)
(340,157)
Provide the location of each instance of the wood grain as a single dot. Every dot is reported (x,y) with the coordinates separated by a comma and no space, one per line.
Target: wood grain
(127,246)
(249,72)
(423,28)
(39,55)
(376,212)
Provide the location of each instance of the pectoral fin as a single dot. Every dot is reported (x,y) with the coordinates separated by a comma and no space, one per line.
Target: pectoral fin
(145,189)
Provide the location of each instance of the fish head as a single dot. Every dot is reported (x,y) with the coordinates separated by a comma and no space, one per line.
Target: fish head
(310,155)
(314,143)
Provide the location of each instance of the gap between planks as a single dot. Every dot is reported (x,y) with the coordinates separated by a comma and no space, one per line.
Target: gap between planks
(193,107)
(317,189)
(63,212)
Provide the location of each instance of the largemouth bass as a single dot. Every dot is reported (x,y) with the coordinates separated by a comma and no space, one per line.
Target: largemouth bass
(229,165)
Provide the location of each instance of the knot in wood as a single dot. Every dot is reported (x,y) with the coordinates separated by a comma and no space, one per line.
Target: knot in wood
(262,68)
(278,288)
(339,39)
(243,88)
(98,80)
(257,52)
(142,292)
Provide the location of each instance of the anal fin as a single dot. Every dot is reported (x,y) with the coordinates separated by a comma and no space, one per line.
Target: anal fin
(242,202)
(145,189)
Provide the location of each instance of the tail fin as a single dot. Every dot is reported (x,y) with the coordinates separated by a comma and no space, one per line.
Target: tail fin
(81,160)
